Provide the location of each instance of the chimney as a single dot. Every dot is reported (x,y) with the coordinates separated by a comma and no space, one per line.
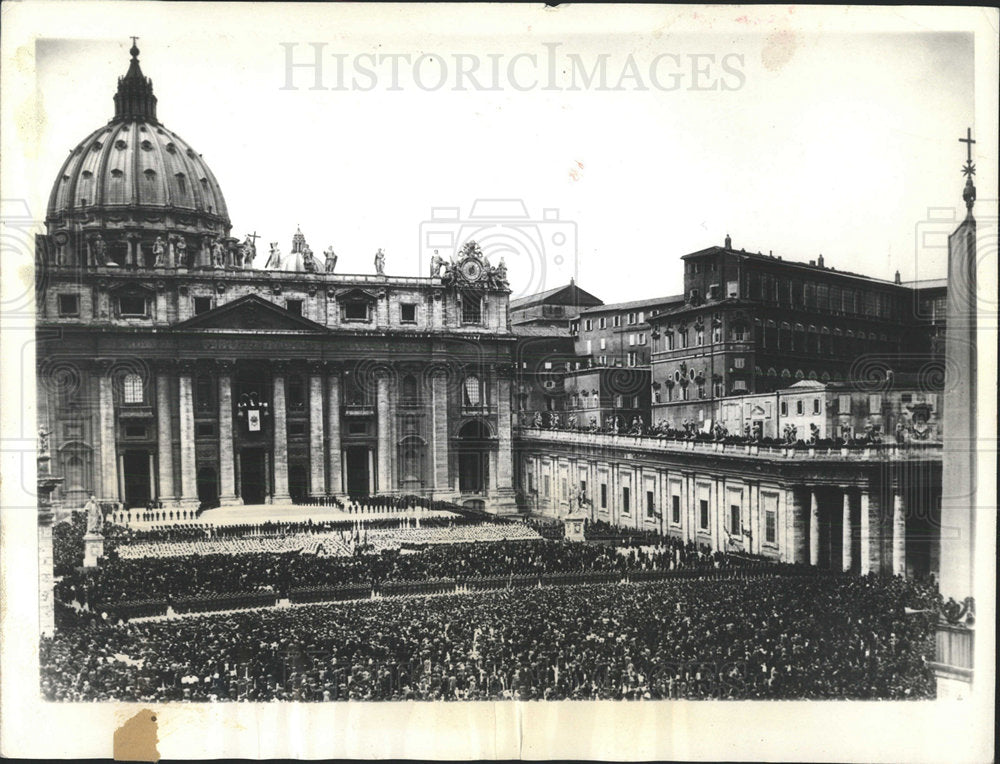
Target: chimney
(898,280)
(770,253)
(729,242)
(812,262)
(820,261)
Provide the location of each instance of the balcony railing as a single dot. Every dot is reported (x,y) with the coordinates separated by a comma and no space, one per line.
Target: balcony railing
(797,451)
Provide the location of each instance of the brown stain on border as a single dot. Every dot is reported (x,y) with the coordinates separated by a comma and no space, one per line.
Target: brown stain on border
(136,739)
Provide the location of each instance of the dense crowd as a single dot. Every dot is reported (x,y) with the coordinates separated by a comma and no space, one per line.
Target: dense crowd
(813,637)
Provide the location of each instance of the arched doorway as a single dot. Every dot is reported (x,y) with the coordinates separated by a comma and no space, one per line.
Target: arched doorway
(474,445)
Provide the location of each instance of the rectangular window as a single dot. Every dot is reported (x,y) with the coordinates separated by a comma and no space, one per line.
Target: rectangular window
(642,338)
(770,519)
(784,408)
(617,321)
(631,340)
(632,358)
(356,310)
(798,407)
(740,363)
(642,316)
(625,501)
(590,347)
(204,430)
(294,306)
(670,341)
(740,385)
(602,323)
(132,389)
(69,305)
(604,343)
(588,325)
(135,432)
(816,405)
(472,310)
(650,506)
(874,404)
(604,495)
(132,305)
(684,339)
(700,337)
(546,484)
(202,305)
(675,509)
(734,520)
(703,514)
(408,314)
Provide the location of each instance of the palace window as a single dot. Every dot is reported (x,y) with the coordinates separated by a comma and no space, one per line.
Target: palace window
(734,520)
(69,305)
(650,505)
(642,338)
(816,405)
(408,390)
(740,363)
(202,305)
(874,404)
(588,325)
(617,321)
(625,500)
(604,343)
(631,318)
(604,495)
(703,514)
(798,407)
(675,509)
(632,358)
(472,310)
(294,306)
(133,390)
(784,408)
(296,392)
(700,337)
(408,313)
(717,334)
(740,385)
(770,519)
(670,341)
(602,323)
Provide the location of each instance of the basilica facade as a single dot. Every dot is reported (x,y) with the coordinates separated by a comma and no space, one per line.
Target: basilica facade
(179,370)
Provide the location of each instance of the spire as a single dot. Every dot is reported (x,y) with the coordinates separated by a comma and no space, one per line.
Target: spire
(135,99)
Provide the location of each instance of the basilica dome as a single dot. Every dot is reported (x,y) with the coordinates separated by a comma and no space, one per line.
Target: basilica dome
(134,174)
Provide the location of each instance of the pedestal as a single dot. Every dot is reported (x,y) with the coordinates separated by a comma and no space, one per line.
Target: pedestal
(93,549)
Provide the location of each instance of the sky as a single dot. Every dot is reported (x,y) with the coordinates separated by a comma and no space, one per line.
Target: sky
(791,136)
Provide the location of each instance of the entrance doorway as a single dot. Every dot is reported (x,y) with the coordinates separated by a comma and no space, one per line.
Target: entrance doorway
(135,469)
(253,482)
(208,487)
(472,470)
(298,483)
(356,467)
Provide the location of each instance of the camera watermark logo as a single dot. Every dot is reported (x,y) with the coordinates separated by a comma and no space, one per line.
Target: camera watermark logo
(540,251)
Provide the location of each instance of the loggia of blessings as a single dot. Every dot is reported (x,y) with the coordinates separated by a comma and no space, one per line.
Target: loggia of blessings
(311,66)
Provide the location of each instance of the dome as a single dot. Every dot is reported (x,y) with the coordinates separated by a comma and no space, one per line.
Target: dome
(134,163)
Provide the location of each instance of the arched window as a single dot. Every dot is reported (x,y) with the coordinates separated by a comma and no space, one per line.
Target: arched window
(772,372)
(473,390)
(132,390)
(799,374)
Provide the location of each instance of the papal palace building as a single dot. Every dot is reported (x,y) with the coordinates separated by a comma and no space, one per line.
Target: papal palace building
(179,369)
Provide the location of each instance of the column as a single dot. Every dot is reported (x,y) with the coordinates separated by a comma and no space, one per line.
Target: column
(333,430)
(317,458)
(280,415)
(898,535)
(189,477)
(439,429)
(227,472)
(109,460)
(796,517)
(813,529)
(865,522)
(384,432)
(846,533)
(503,477)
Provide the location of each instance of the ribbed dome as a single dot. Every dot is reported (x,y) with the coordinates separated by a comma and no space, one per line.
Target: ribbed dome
(134,161)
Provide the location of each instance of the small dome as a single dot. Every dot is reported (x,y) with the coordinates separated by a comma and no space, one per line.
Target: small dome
(134,161)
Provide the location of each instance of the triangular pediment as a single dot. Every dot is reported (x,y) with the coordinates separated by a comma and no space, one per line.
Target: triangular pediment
(251,313)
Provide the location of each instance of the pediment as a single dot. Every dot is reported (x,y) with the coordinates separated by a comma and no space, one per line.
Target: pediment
(250,313)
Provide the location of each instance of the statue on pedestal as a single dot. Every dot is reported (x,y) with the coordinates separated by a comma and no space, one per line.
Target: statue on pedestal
(218,254)
(99,248)
(380,262)
(181,253)
(437,262)
(94,516)
(331,259)
(249,252)
(159,252)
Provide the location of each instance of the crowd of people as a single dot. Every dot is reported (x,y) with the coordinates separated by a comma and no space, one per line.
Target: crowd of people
(811,637)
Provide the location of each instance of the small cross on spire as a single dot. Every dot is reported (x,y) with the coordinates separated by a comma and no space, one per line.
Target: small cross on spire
(135,48)
(970,168)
